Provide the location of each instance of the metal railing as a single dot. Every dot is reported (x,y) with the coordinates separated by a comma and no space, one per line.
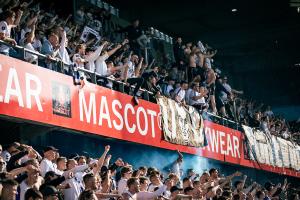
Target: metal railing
(94,78)
(94,75)
(121,85)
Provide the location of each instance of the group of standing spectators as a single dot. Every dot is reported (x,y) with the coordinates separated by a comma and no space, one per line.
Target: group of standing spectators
(27,175)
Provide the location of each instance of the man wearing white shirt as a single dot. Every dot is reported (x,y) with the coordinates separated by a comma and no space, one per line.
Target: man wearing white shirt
(92,56)
(197,97)
(33,180)
(29,37)
(47,163)
(143,194)
(170,86)
(177,165)
(155,182)
(76,185)
(132,76)
(5,30)
(61,163)
(62,52)
(180,92)
(126,173)
(101,67)
(133,188)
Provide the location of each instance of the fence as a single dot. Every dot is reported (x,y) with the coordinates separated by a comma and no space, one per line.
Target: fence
(94,77)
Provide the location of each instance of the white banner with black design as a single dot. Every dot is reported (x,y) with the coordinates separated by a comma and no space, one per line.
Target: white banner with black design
(181,125)
(272,150)
(89,34)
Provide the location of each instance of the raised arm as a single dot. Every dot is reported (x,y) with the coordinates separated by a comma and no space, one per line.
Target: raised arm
(101,160)
(31,34)
(18,17)
(212,77)
(111,52)
(138,68)
(125,75)
(244,181)
(210,55)
(93,56)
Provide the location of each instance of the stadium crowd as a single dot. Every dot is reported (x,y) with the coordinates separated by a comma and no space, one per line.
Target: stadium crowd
(27,175)
(191,80)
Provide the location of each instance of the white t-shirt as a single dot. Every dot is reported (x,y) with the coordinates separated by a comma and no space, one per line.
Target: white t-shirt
(29,56)
(24,31)
(131,196)
(6,29)
(196,94)
(92,57)
(24,187)
(77,57)
(130,72)
(177,169)
(152,187)
(169,88)
(101,67)
(122,186)
(180,93)
(37,44)
(46,166)
(63,53)
(75,189)
(223,94)
(146,195)
(208,62)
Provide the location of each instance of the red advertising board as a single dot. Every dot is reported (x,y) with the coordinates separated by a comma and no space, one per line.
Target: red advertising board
(38,94)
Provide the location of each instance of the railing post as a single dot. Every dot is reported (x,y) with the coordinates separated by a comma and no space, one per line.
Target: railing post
(23,53)
(146,95)
(94,77)
(121,87)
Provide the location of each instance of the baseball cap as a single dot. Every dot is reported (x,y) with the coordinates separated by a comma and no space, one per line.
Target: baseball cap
(50,148)
(175,188)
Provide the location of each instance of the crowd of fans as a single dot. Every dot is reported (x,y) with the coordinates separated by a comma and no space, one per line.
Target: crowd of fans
(26,175)
(191,80)
(208,88)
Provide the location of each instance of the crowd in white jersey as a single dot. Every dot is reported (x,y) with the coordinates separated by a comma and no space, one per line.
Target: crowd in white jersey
(27,175)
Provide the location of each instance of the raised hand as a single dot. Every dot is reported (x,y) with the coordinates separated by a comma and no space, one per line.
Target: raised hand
(107,148)
(119,162)
(125,41)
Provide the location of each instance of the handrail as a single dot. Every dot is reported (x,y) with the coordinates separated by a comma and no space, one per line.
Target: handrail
(111,79)
(29,51)
(95,74)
